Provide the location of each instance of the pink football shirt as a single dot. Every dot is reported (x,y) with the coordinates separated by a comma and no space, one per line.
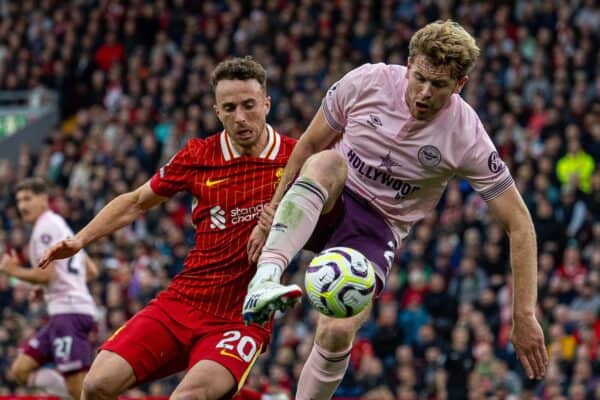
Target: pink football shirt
(67,292)
(402,165)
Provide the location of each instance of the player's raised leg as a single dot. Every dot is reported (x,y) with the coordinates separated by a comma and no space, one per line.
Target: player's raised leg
(315,192)
(109,376)
(327,363)
(27,372)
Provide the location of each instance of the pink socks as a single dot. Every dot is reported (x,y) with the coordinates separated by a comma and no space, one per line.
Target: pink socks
(294,222)
(322,373)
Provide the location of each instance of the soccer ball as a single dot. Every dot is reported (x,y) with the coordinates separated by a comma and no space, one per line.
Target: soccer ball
(340,282)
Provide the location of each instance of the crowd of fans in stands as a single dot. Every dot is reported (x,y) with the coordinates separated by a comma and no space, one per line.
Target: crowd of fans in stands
(133,79)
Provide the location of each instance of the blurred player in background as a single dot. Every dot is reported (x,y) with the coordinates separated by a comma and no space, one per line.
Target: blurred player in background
(64,340)
(196,323)
(398,134)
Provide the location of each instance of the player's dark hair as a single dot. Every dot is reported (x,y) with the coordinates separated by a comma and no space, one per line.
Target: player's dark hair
(239,68)
(35,185)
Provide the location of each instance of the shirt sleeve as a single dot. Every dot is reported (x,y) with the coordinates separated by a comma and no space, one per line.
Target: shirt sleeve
(483,167)
(175,175)
(342,95)
(40,241)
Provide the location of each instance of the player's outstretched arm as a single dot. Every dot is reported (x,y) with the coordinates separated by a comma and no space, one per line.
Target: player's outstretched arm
(121,211)
(91,269)
(527,335)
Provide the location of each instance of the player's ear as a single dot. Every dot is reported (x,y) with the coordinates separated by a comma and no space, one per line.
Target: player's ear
(267,104)
(460,84)
(217,111)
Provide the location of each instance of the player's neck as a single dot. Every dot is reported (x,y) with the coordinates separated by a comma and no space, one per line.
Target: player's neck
(37,217)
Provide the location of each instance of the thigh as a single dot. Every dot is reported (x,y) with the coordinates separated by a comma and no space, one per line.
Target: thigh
(23,365)
(39,347)
(71,346)
(208,380)
(148,346)
(362,228)
(234,348)
(109,371)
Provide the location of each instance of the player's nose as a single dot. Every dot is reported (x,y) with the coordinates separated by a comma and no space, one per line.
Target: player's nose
(426,90)
(239,115)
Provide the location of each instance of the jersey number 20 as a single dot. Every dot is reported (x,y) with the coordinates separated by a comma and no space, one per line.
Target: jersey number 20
(245,348)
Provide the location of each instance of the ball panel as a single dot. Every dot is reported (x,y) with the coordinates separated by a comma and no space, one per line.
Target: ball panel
(340,282)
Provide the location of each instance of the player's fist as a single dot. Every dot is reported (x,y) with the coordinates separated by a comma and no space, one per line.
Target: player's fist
(63,249)
(9,262)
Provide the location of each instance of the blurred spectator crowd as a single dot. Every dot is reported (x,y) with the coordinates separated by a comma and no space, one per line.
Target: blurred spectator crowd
(133,80)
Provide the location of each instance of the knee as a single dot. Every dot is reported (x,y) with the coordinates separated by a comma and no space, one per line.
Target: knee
(19,373)
(96,387)
(198,393)
(335,335)
(328,168)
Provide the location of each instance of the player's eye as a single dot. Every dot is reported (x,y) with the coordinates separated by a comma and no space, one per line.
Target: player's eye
(439,84)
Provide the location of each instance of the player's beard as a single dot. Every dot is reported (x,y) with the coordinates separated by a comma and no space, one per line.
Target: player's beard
(252,143)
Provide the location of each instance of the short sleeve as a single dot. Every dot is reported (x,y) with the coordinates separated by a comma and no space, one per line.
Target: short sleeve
(483,167)
(40,241)
(341,95)
(175,176)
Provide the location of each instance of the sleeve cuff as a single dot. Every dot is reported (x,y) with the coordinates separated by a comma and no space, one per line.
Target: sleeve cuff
(336,126)
(155,185)
(498,189)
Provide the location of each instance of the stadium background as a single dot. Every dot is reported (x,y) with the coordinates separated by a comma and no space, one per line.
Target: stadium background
(132,84)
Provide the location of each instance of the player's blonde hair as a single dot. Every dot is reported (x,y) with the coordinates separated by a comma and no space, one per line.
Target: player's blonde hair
(446,43)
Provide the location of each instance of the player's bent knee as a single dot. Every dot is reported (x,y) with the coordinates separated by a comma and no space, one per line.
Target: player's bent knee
(198,393)
(19,374)
(21,369)
(98,387)
(335,334)
(328,168)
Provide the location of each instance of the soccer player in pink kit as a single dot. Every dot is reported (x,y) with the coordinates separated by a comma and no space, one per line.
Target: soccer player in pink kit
(64,339)
(398,134)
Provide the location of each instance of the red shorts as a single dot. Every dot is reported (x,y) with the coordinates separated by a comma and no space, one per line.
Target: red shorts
(168,336)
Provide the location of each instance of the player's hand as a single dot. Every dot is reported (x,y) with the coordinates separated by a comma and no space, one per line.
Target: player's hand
(259,234)
(63,249)
(265,219)
(9,262)
(528,339)
(257,240)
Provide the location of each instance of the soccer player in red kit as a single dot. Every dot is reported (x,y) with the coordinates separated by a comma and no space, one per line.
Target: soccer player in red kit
(196,323)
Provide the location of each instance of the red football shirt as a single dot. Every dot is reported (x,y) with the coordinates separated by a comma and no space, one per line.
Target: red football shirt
(229,192)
